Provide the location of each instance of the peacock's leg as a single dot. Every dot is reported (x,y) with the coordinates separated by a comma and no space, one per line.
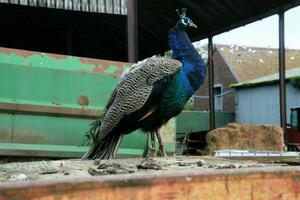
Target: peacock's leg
(152,148)
(161,151)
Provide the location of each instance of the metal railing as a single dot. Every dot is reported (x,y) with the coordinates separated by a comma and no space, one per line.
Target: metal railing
(97,6)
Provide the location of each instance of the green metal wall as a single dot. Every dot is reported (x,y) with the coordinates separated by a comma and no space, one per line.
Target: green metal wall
(34,89)
(194,121)
(41,113)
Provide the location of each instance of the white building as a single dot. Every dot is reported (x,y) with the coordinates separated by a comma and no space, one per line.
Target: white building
(257,101)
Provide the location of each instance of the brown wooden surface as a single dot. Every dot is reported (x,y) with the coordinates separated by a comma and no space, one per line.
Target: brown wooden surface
(180,178)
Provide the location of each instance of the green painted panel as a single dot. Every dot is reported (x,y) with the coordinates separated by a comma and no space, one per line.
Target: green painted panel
(55,133)
(192,121)
(49,130)
(43,150)
(6,127)
(41,79)
(54,86)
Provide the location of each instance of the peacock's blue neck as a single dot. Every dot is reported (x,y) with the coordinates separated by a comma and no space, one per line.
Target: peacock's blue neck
(193,71)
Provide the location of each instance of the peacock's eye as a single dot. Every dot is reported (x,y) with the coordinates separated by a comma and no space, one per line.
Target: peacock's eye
(185,21)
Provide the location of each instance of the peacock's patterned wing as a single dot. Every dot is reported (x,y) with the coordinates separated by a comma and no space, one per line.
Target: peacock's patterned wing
(135,88)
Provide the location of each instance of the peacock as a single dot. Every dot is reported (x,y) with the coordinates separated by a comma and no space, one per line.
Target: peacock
(149,94)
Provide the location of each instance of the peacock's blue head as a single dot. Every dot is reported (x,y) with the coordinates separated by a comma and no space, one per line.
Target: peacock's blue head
(184,21)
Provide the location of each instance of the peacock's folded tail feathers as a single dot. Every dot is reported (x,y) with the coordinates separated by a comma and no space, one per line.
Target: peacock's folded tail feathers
(135,88)
(129,96)
(105,148)
(93,133)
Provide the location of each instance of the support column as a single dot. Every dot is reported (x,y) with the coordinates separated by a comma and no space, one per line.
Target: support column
(282,87)
(211,84)
(132,32)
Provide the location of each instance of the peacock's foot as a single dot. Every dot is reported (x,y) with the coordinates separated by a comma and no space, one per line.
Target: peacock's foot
(152,152)
(152,149)
(162,151)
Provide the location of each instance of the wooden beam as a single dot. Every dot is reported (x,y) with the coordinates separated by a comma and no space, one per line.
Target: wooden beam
(211,84)
(282,85)
(251,183)
(132,31)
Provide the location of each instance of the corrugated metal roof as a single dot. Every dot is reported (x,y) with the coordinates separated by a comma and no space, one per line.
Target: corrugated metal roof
(212,17)
(97,6)
(104,36)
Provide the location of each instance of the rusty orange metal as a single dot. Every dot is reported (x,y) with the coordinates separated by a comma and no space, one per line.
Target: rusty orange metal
(240,184)
(85,65)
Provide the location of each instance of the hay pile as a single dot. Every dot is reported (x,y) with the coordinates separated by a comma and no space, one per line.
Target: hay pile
(245,137)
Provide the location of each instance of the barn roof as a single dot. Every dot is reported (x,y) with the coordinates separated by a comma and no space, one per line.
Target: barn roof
(212,17)
(247,63)
(103,35)
(291,74)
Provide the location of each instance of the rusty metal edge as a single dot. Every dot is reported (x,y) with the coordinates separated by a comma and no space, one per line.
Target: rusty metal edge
(27,53)
(107,186)
(17,108)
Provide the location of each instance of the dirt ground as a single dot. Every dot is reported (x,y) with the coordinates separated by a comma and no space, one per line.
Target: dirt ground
(60,169)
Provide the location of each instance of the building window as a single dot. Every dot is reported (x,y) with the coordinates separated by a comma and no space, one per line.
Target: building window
(218,96)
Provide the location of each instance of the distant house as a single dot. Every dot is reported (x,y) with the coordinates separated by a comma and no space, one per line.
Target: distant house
(257,101)
(237,64)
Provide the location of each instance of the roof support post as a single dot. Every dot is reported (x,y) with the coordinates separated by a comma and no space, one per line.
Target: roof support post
(132,32)
(211,84)
(282,86)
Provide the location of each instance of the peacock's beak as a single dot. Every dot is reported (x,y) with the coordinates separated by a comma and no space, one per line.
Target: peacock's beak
(193,25)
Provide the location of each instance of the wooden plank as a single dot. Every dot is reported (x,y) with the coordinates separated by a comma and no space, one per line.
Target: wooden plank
(109,5)
(101,6)
(23,2)
(42,3)
(33,2)
(185,179)
(93,5)
(116,8)
(14,1)
(59,4)
(77,4)
(68,5)
(51,3)
(85,5)
(36,170)
(124,7)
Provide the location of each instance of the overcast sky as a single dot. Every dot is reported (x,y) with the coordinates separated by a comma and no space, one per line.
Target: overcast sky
(264,33)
